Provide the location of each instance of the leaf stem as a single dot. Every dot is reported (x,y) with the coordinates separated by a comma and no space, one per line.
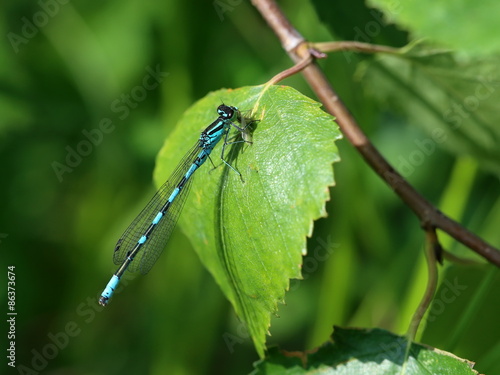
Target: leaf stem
(432,252)
(353,46)
(314,53)
(298,49)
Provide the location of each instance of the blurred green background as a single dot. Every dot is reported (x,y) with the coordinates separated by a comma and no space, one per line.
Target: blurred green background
(87,62)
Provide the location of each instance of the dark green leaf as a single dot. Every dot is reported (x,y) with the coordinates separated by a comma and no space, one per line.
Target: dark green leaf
(372,352)
(354,20)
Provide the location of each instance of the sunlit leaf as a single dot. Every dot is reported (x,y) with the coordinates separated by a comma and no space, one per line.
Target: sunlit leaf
(469,26)
(250,232)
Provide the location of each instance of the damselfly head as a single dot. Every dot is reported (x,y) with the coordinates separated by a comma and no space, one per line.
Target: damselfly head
(227,112)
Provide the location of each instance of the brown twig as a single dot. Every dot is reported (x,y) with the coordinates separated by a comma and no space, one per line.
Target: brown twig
(298,50)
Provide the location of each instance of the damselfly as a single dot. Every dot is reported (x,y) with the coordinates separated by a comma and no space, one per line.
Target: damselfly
(144,240)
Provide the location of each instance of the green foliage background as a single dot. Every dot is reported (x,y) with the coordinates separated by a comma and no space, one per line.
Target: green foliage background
(364,267)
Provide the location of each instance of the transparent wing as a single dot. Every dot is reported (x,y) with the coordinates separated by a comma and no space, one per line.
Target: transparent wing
(154,245)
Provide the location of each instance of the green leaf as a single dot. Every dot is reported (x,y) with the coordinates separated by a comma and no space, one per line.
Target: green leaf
(455,101)
(355,351)
(251,234)
(463,25)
